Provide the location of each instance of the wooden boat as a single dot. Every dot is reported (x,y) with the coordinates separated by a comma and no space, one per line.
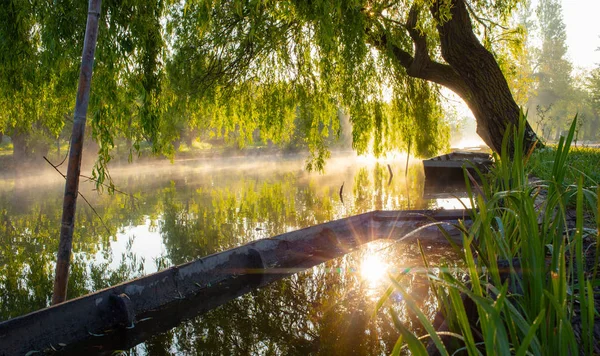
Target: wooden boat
(129,313)
(447,170)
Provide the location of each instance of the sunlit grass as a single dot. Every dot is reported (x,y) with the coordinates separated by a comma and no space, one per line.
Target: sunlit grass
(582,161)
(195,146)
(6,148)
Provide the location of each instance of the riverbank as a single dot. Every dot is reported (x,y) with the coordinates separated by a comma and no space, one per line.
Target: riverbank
(581,161)
(532,281)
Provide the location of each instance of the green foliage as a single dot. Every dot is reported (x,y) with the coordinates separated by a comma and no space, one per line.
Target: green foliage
(244,71)
(582,161)
(37,80)
(274,62)
(529,277)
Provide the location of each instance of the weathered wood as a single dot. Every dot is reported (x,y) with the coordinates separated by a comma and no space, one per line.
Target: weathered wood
(190,289)
(406,226)
(63,256)
(447,169)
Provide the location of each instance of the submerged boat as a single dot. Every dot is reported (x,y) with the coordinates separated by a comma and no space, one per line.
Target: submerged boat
(447,170)
(127,314)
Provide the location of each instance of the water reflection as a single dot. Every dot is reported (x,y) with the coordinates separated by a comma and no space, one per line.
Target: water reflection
(326,310)
(146,240)
(195,208)
(374,267)
(452,203)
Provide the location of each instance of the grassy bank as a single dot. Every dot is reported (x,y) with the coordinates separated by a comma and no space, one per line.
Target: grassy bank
(581,161)
(532,279)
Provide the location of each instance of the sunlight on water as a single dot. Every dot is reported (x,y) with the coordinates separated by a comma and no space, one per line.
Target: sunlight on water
(378,259)
(371,159)
(373,269)
(453,203)
(469,142)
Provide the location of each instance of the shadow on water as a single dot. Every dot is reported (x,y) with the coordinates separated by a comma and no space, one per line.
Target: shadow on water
(192,209)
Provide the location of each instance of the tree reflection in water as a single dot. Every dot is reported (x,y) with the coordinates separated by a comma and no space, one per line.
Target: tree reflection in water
(326,310)
(197,211)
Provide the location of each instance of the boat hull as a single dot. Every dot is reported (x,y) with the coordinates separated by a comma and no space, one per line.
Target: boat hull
(129,313)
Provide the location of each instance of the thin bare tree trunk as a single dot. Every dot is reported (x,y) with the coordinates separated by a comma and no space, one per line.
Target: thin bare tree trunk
(406,173)
(63,257)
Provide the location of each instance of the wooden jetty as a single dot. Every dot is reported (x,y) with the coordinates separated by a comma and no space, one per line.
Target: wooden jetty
(129,313)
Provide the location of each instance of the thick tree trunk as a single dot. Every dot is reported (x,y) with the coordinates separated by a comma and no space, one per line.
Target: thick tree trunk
(488,96)
(28,146)
(19,141)
(471,71)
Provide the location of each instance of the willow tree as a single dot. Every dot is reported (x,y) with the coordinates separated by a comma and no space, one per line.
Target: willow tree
(283,68)
(40,49)
(352,54)
(34,83)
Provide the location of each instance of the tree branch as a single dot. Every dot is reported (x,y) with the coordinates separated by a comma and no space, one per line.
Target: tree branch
(422,59)
(420,65)
(381,43)
(485,22)
(82,197)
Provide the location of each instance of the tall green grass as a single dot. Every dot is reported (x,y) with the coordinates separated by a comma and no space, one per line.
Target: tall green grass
(582,161)
(525,265)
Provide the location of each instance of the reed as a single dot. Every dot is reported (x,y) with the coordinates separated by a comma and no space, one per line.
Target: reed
(525,262)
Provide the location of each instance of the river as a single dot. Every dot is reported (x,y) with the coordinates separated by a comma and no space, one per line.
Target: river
(176,212)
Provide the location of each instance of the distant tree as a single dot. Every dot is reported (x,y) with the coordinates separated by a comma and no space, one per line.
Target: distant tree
(555,83)
(593,87)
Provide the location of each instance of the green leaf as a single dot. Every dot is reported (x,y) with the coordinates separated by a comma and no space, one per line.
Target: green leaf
(531,334)
(415,345)
(422,318)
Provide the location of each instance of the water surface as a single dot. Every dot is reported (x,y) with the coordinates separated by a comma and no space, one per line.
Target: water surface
(175,213)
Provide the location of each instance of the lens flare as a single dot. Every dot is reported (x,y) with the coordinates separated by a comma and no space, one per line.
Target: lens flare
(373,269)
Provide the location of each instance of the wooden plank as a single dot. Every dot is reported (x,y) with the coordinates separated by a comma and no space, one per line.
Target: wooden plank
(425,225)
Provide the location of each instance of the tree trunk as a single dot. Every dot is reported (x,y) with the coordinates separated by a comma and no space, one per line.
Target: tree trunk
(471,70)
(488,96)
(20,150)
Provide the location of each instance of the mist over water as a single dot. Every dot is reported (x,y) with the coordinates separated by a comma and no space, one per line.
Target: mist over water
(177,212)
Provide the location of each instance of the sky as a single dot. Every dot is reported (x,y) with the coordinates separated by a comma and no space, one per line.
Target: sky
(581,18)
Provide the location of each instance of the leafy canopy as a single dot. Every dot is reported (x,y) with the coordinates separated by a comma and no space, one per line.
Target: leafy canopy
(232,67)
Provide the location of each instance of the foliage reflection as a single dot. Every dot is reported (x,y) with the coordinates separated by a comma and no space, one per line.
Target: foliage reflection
(194,212)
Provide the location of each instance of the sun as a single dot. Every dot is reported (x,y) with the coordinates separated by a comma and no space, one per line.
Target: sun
(373,269)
